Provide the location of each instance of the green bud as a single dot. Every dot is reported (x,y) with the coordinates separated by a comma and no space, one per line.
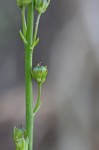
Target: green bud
(22,144)
(22,3)
(18,133)
(41,5)
(39,73)
(20,139)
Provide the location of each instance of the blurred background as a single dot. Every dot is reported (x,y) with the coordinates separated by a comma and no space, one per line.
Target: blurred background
(69,45)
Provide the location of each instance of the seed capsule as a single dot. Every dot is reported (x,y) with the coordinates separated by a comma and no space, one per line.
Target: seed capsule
(22,3)
(41,5)
(39,73)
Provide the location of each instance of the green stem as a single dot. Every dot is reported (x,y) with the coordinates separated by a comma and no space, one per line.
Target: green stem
(24,26)
(38,103)
(36,27)
(28,79)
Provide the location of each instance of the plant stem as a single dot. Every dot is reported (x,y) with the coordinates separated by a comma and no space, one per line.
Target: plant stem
(36,27)
(38,103)
(28,78)
(24,27)
(29,108)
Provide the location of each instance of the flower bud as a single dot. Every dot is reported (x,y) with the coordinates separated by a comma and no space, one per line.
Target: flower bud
(18,133)
(20,139)
(22,144)
(39,73)
(41,5)
(22,3)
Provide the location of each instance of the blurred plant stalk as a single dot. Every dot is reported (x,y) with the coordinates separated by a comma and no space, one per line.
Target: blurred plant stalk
(23,138)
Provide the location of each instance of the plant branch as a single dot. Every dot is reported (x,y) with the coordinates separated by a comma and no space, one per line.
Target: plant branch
(38,103)
(24,26)
(22,37)
(36,27)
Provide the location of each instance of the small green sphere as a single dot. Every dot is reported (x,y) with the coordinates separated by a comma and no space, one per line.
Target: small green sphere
(41,5)
(39,73)
(22,3)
